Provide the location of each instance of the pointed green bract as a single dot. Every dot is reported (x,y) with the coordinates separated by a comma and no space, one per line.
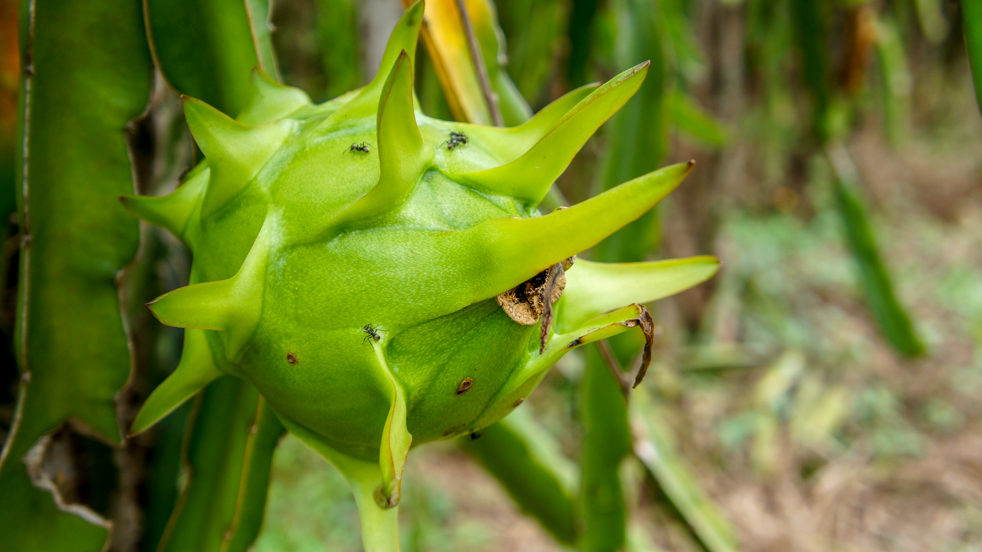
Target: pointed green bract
(510,251)
(171,211)
(511,142)
(196,370)
(396,439)
(269,100)
(232,306)
(516,249)
(596,288)
(403,39)
(235,151)
(403,157)
(521,382)
(528,178)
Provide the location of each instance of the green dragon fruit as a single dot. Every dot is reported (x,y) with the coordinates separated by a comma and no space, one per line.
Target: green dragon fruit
(385,279)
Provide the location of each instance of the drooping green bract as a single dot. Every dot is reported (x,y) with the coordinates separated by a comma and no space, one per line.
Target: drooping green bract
(362,264)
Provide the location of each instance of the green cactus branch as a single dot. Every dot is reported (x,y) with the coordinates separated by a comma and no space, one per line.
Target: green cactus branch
(70,342)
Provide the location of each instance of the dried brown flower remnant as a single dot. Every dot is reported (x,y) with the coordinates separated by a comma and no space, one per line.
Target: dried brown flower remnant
(525,303)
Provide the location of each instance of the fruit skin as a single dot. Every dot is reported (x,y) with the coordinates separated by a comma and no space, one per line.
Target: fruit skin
(303,243)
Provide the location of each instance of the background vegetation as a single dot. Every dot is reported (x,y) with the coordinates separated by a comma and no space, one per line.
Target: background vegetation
(821,393)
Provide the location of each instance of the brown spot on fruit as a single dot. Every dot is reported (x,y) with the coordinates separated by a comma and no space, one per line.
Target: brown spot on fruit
(291,358)
(464,386)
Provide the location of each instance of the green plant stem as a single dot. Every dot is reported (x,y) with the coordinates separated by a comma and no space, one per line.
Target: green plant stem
(379,528)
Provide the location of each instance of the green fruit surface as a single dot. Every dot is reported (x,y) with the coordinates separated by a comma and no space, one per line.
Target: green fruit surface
(310,224)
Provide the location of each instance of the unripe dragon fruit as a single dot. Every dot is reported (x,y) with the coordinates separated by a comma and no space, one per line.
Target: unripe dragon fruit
(384,279)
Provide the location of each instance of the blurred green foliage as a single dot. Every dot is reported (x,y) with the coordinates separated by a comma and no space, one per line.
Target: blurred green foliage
(794,364)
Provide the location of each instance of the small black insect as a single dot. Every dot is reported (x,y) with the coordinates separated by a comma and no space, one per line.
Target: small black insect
(363,147)
(372,332)
(456,139)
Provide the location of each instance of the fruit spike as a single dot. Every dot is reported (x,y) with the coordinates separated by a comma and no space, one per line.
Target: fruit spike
(403,39)
(596,288)
(172,211)
(511,142)
(233,305)
(235,151)
(529,177)
(269,100)
(403,157)
(196,370)
(515,249)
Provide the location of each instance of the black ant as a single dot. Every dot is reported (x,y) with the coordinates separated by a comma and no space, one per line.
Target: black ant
(372,332)
(363,147)
(456,139)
